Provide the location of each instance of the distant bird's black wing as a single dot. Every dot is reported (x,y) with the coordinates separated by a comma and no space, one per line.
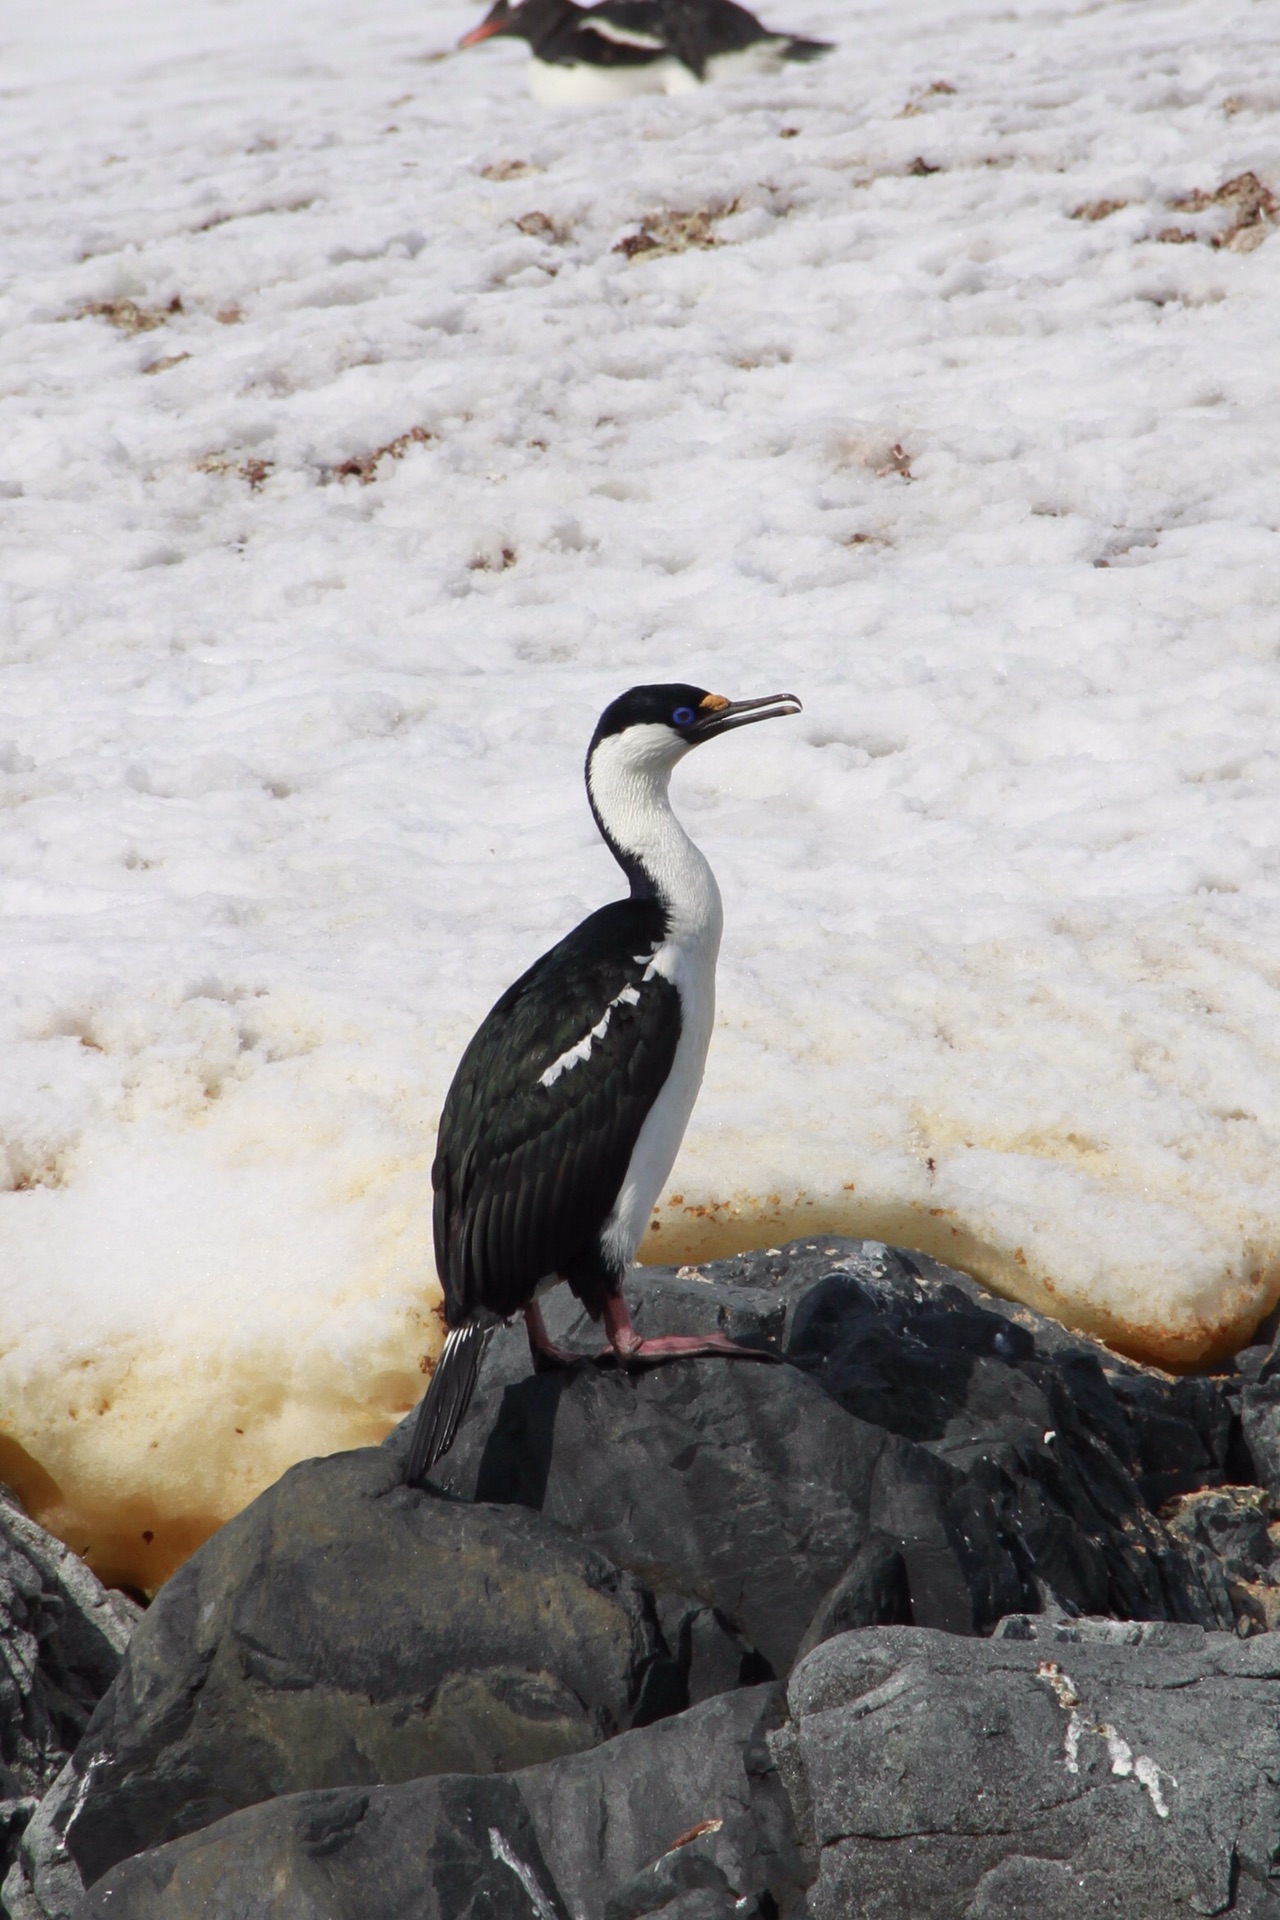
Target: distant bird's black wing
(697,31)
(544,1111)
(617,33)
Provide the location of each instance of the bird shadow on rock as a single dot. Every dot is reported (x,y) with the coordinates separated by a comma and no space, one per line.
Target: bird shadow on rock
(515,1464)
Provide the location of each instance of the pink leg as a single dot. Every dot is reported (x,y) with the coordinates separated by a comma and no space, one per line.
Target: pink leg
(632,1351)
(546,1354)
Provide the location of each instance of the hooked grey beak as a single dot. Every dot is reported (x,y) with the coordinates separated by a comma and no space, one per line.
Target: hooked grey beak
(743,713)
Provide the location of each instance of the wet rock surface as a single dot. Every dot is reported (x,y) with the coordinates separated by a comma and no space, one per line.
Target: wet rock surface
(612,1566)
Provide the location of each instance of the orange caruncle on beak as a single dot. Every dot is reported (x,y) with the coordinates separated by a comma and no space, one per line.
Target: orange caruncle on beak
(485,31)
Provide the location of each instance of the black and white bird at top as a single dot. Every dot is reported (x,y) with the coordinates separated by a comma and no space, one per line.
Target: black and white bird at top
(569,1105)
(619,48)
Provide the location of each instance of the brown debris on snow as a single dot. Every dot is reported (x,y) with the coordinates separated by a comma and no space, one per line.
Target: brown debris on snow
(898,461)
(540,226)
(675,232)
(253,471)
(1250,201)
(128,316)
(509,170)
(1097,209)
(916,104)
(364,466)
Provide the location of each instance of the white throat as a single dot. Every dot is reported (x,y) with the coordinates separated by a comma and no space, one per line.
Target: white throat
(628,777)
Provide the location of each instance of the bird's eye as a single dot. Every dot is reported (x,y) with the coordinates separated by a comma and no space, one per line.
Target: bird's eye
(683,717)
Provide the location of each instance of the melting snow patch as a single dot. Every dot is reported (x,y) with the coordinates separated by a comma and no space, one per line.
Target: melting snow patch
(435,474)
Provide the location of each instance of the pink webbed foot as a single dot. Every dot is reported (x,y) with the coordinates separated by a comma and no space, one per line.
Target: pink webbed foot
(547,1356)
(628,1348)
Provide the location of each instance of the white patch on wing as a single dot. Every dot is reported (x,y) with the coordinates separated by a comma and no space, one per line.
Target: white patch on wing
(581,1050)
(624,36)
(665,963)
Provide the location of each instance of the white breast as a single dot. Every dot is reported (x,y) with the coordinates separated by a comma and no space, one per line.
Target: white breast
(584,85)
(693,973)
(627,778)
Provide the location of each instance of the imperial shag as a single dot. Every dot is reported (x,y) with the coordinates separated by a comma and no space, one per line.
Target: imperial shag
(569,1105)
(623,47)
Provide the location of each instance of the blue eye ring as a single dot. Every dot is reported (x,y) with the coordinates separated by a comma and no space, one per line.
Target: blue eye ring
(683,717)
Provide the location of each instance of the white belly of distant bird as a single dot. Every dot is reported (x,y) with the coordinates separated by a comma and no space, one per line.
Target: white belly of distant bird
(557,84)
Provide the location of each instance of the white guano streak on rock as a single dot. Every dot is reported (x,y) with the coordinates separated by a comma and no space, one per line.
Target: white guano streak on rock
(542,1907)
(1075,1727)
(82,1794)
(1144,1769)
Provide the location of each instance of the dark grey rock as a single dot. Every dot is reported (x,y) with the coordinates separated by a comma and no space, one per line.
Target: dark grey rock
(1067,1770)
(743,1486)
(44,1882)
(874,1590)
(62,1638)
(1228,1531)
(1006,1460)
(1260,1421)
(593,1834)
(1052,1449)
(345,1630)
(1064,1769)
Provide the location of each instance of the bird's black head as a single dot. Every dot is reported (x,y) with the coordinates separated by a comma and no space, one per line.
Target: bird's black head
(689,715)
(638,740)
(523,21)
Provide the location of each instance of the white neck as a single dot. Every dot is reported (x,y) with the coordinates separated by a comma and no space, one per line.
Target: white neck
(628,776)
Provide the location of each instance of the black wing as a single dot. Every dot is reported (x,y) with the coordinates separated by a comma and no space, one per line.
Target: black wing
(530,1160)
(619,33)
(696,32)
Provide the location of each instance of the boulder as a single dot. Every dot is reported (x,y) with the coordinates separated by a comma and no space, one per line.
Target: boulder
(1229,1532)
(62,1638)
(1049,1454)
(685,1818)
(742,1485)
(1258,1373)
(1066,1770)
(1059,1770)
(1001,1459)
(345,1630)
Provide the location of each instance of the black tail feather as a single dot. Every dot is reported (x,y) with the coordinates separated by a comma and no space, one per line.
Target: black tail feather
(806,49)
(447,1398)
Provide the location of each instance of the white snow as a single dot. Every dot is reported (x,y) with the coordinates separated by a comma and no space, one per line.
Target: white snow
(290,763)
